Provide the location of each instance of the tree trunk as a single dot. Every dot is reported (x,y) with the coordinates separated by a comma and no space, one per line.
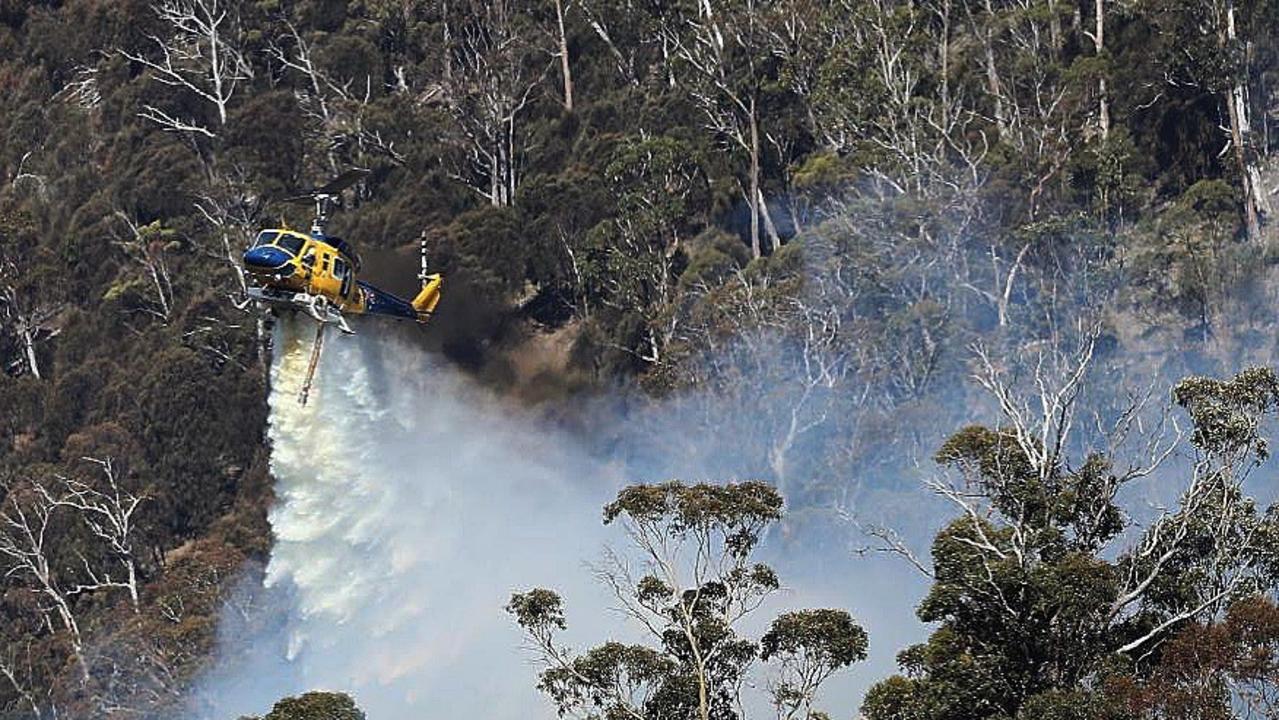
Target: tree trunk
(133,584)
(699,663)
(69,623)
(509,152)
(992,73)
(215,63)
(447,44)
(1246,173)
(1054,27)
(495,177)
(943,52)
(1238,113)
(773,238)
(565,69)
(753,197)
(1103,102)
(29,343)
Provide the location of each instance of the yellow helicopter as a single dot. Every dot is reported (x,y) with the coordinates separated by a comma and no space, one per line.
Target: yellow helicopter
(316,273)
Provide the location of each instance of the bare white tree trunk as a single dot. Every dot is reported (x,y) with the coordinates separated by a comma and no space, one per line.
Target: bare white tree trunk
(993,86)
(755,194)
(202,57)
(1237,110)
(565,70)
(1099,46)
(769,226)
(29,344)
(109,514)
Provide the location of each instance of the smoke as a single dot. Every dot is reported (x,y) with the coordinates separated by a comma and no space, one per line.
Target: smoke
(410,503)
(409,506)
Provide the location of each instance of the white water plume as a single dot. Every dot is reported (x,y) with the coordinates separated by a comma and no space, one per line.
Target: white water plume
(411,503)
(408,507)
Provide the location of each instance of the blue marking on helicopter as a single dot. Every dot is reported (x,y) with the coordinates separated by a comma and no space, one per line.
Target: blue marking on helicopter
(384,303)
(267,257)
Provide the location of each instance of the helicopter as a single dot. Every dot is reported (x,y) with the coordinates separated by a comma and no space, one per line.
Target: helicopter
(316,273)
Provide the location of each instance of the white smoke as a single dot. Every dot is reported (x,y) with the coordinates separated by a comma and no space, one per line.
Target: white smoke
(410,504)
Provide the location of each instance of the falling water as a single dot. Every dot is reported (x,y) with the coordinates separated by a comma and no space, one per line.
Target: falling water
(409,505)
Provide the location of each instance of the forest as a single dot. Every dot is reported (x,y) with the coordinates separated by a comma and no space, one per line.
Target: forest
(1016,254)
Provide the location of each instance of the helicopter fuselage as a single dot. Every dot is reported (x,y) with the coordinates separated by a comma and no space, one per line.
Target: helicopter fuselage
(317,273)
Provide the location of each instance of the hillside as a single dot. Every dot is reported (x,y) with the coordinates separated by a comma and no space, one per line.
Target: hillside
(803,224)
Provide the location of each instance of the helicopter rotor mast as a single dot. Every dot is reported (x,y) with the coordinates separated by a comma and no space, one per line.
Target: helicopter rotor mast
(327,195)
(323,201)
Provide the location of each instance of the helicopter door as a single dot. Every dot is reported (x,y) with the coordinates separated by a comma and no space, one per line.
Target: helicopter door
(342,272)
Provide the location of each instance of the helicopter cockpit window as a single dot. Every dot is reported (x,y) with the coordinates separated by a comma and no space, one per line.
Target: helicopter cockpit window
(291,243)
(342,272)
(266,237)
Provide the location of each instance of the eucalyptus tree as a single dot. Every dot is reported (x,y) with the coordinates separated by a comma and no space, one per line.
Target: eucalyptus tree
(688,586)
(201,55)
(1045,585)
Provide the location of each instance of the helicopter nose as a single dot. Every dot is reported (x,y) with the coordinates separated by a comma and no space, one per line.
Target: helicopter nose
(266,258)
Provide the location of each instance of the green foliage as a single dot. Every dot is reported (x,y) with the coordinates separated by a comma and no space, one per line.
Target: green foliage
(1228,413)
(315,706)
(694,544)
(537,608)
(1028,595)
(737,510)
(829,637)
(937,175)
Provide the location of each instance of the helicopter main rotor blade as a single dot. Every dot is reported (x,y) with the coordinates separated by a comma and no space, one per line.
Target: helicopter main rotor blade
(333,187)
(342,182)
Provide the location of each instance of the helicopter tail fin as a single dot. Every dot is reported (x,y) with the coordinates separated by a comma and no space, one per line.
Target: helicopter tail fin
(428,297)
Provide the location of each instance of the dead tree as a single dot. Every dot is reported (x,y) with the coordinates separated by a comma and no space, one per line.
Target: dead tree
(715,46)
(233,212)
(31,319)
(603,19)
(17,668)
(146,246)
(109,510)
(26,551)
(338,108)
(490,83)
(1235,95)
(202,56)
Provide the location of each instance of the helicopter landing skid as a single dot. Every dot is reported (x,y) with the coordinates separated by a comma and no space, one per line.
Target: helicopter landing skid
(318,307)
(320,310)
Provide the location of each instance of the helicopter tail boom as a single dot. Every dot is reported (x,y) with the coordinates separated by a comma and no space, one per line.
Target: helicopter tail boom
(419,309)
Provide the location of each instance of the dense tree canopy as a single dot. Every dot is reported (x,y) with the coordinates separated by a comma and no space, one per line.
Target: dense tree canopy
(1038,599)
(807,211)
